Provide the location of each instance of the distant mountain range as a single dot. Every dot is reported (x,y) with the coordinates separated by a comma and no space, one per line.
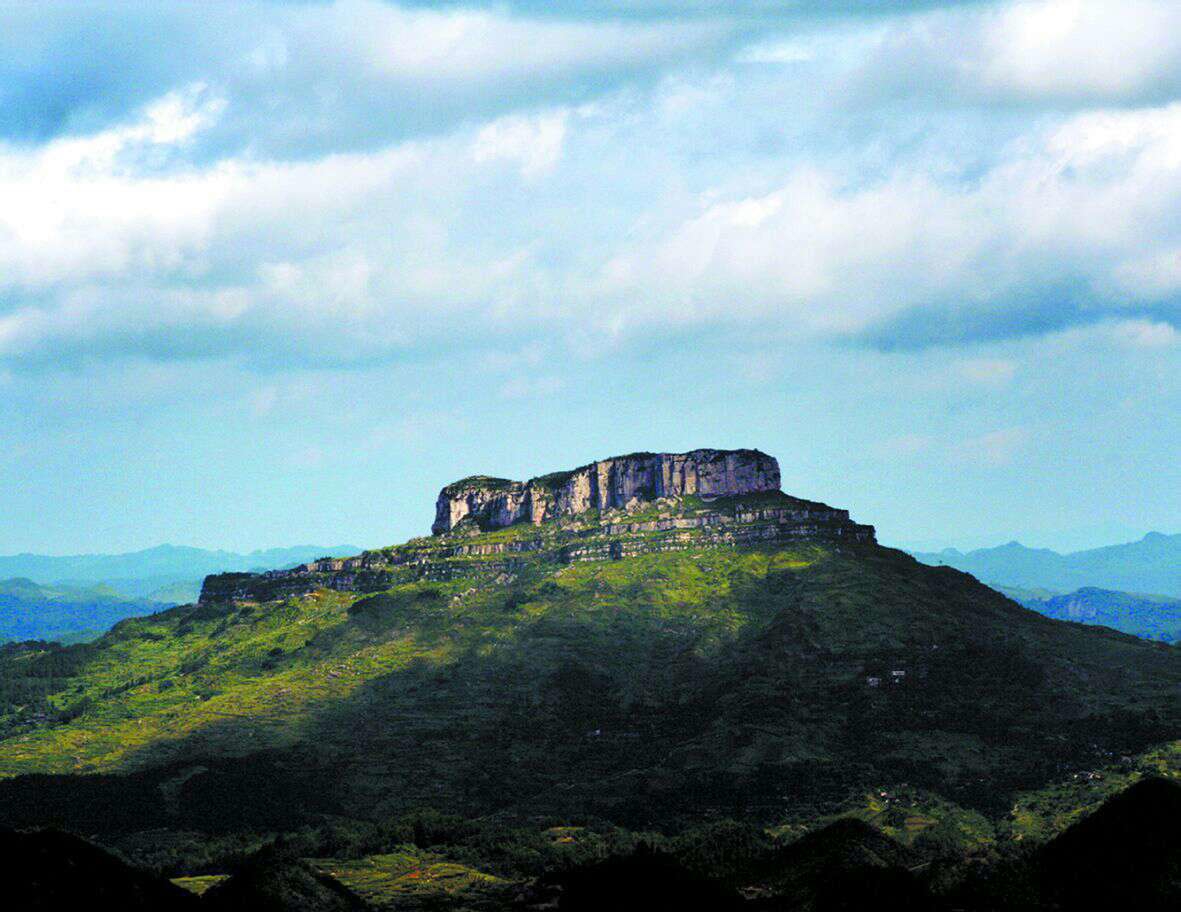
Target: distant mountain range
(1152,564)
(141,574)
(1104,586)
(1154,617)
(76,598)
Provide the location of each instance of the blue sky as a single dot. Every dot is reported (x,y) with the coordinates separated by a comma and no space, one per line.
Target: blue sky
(275,272)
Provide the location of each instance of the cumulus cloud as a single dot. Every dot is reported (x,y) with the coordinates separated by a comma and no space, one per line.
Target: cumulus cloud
(1075,52)
(532,143)
(724,195)
(1050,235)
(310,78)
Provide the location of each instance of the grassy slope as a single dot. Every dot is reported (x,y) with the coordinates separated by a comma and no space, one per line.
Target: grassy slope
(156,681)
(716,680)
(411,879)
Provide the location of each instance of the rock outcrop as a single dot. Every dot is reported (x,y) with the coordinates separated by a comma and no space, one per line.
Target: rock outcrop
(609,510)
(623,482)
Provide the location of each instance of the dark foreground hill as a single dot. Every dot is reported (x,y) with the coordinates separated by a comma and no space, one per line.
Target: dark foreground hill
(1125,855)
(651,642)
(53,871)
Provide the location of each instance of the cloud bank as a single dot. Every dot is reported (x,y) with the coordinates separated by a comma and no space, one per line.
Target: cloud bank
(351,182)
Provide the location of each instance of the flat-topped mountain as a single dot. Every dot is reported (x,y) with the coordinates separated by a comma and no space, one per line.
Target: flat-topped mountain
(607,510)
(622,482)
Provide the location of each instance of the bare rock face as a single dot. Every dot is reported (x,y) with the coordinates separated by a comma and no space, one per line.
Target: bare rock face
(608,510)
(623,482)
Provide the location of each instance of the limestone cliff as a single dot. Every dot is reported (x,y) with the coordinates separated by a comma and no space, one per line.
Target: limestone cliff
(616,508)
(623,482)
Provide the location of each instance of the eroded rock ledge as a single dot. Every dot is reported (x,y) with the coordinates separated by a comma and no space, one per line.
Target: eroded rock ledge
(623,482)
(616,508)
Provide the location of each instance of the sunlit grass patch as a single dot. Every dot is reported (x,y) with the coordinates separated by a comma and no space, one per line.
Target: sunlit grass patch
(200,883)
(408,877)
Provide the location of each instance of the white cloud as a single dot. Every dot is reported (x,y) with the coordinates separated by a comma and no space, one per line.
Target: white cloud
(584,226)
(1100,48)
(473,44)
(87,206)
(1075,51)
(1081,202)
(820,256)
(534,144)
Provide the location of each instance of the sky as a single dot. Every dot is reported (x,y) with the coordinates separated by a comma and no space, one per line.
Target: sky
(275,272)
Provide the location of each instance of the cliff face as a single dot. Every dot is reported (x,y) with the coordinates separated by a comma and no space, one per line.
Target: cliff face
(618,483)
(617,508)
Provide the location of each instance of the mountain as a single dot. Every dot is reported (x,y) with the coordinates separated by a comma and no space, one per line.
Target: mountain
(1152,564)
(649,643)
(137,574)
(29,611)
(1154,617)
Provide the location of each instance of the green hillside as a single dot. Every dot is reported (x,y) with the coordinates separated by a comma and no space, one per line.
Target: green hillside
(688,683)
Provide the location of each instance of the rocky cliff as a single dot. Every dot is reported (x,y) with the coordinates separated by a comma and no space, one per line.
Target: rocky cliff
(623,483)
(613,509)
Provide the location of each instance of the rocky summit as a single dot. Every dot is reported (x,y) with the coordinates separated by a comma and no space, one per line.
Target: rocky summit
(622,482)
(611,509)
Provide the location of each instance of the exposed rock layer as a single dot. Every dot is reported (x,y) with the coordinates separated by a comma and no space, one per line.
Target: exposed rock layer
(623,482)
(616,508)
